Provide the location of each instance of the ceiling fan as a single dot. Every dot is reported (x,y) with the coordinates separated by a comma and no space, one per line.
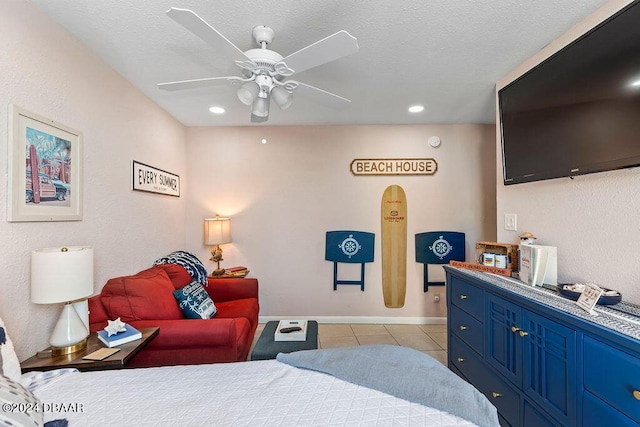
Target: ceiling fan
(263,70)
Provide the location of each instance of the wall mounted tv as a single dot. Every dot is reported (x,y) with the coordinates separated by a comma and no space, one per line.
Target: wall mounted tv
(577,112)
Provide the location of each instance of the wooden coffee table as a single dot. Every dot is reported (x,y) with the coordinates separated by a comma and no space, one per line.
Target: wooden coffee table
(75,360)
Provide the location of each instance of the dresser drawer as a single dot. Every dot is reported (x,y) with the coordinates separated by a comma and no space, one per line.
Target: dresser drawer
(596,413)
(467,328)
(505,398)
(613,376)
(501,395)
(468,297)
(466,360)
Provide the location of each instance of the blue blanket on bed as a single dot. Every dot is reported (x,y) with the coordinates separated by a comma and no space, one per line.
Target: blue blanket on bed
(402,372)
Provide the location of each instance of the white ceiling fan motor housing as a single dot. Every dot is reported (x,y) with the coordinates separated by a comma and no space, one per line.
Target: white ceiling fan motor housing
(263,34)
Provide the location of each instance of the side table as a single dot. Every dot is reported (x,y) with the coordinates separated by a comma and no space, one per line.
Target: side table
(75,360)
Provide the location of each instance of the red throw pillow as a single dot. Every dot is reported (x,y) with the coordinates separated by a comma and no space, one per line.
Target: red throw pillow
(178,275)
(147,295)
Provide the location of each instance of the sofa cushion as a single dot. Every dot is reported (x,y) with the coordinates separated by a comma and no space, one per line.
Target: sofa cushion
(195,302)
(145,295)
(178,275)
(246,307)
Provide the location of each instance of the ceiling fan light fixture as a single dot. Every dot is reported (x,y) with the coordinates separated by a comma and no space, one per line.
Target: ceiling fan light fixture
(282,97)
(248,93)
(260,107)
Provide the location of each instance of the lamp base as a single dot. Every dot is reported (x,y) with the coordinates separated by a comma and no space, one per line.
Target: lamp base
(63,351)
(218,272)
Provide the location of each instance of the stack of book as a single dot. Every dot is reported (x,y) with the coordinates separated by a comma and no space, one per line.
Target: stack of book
(239,271)
(128,335)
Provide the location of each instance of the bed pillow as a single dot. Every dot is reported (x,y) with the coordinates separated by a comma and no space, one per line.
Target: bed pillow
(195,302)
(147,295)
(9,363)
(13,395)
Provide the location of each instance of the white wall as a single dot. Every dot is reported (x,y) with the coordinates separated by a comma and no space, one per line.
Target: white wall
(285,195)
(45,70)
(593,219)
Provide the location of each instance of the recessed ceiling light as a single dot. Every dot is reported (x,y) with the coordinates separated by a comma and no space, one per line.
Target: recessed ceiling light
(217,110)
(416,108)
(264,141)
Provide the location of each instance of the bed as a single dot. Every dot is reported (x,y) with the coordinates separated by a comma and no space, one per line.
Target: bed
(358,386)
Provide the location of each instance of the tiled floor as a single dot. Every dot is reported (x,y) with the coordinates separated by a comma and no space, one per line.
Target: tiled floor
(430,339)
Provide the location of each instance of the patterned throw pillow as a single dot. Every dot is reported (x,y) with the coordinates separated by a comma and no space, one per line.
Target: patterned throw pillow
(9,364)
(189,261)
(195,302)
(27,407)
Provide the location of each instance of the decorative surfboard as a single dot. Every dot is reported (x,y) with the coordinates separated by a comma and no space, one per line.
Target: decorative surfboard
(394,246)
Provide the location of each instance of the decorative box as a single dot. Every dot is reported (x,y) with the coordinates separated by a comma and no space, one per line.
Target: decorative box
(501,249)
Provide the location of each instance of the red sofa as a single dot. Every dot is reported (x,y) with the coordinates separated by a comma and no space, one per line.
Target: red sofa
(146,299)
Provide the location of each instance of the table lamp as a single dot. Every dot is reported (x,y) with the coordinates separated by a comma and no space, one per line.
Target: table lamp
(58,275)
(217,231)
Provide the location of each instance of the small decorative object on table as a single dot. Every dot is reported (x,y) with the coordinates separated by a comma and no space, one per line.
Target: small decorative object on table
(527,238)
(291,330)
(573,291)
(497,248)
(117,333)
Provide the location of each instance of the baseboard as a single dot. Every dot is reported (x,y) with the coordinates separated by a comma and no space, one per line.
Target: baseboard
(363,319)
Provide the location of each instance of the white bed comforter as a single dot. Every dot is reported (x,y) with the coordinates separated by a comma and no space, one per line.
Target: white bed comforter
(258,393)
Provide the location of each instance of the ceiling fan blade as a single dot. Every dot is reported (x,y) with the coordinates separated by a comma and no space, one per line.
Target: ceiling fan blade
(198,26)
(326,50)
(322,97)
(195,83)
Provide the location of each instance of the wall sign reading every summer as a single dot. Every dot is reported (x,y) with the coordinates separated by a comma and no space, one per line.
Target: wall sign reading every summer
(154,180)
(394,166)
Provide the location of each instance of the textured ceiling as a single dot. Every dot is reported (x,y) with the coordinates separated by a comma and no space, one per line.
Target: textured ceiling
(444,54)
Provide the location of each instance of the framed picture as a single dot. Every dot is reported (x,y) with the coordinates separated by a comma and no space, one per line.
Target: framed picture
(153,180)
(45,169)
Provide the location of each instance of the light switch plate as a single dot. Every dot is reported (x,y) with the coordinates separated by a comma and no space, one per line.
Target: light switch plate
(511,222)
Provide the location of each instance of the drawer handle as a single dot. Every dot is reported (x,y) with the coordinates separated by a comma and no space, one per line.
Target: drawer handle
(463,328)
(463,297)
(514,329)
(523,333)
(461,359)
(496,394)
(636,394)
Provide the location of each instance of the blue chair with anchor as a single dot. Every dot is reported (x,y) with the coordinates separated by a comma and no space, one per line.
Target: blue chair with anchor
(349,247)
(438,247)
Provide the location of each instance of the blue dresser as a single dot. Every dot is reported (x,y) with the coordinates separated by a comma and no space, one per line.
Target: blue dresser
(540,359)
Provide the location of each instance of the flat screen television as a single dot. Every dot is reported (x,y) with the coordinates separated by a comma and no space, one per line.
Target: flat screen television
(577,112)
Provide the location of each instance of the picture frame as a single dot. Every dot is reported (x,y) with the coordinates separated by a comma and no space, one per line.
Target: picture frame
(150,179)
(56,151)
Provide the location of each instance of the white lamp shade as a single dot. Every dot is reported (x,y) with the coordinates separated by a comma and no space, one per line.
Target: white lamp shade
(61,274)
(281,97)
(260,107)
(217,231)
(248,92)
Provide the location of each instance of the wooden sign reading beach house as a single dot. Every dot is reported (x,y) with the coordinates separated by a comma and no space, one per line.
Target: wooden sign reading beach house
(393,166)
